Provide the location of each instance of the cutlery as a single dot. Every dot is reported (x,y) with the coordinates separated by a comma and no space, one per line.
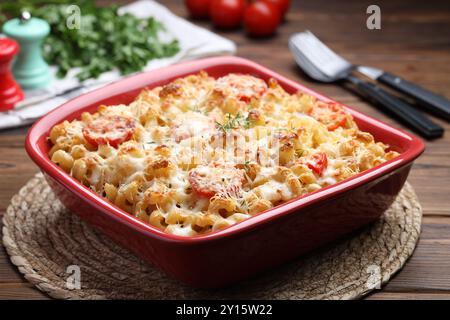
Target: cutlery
(67,94)
(41,98)
(432,102)
(322,64)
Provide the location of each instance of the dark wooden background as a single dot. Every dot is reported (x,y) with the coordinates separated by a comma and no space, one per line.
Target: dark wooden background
(414,42)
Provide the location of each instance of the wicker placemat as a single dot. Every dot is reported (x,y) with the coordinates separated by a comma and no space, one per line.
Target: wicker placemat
(45,241)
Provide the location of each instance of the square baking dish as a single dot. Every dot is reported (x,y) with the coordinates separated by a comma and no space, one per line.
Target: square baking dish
(247,248)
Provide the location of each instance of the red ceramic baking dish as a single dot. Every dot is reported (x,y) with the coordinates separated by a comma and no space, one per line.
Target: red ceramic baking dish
(251,246)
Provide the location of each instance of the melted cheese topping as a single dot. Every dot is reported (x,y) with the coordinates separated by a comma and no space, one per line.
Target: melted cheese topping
(207,153)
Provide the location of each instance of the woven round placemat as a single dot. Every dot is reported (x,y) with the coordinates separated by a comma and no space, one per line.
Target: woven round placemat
(45,241)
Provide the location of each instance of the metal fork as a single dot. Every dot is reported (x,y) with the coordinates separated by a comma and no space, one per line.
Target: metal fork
(322,64)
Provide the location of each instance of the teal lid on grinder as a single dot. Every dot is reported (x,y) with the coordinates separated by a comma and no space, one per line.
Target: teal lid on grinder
(29,69)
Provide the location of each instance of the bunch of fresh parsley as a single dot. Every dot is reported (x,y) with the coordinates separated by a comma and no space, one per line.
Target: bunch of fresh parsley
(104,41)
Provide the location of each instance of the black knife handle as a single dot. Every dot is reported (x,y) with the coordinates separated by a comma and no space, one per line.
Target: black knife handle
(433,102)
(413,118)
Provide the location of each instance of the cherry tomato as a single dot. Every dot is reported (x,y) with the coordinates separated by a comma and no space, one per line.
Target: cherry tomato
(261,19)
(318,162)
(227,14)
(330,114)
(198,9)
(243,87)
(282,5)
(207,181)
(112,130)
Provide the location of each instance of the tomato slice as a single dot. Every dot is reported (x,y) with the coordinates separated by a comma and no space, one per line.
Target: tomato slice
(243,87)
(207,181)
(112,130)
(318,162)
(330,114)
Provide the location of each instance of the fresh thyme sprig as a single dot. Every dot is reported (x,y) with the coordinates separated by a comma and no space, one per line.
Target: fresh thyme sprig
(233,122)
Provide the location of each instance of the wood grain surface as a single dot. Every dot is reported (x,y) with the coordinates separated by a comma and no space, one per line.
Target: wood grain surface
(414,42)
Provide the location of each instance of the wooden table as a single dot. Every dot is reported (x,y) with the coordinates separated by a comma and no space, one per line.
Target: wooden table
(414,42)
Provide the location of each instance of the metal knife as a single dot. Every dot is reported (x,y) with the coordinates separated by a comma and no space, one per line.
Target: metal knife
(434,103)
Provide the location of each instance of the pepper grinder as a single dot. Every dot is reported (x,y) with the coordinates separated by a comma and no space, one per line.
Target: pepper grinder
(10,92)
(29,69)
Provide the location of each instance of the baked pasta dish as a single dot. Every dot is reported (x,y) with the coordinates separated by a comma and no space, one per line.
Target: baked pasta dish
(200,154)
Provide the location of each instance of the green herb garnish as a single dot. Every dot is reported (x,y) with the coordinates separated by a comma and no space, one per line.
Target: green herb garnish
(104,41)
(247,165)
(233,122)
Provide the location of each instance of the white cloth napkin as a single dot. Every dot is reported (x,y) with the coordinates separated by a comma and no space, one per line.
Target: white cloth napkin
(195,42)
